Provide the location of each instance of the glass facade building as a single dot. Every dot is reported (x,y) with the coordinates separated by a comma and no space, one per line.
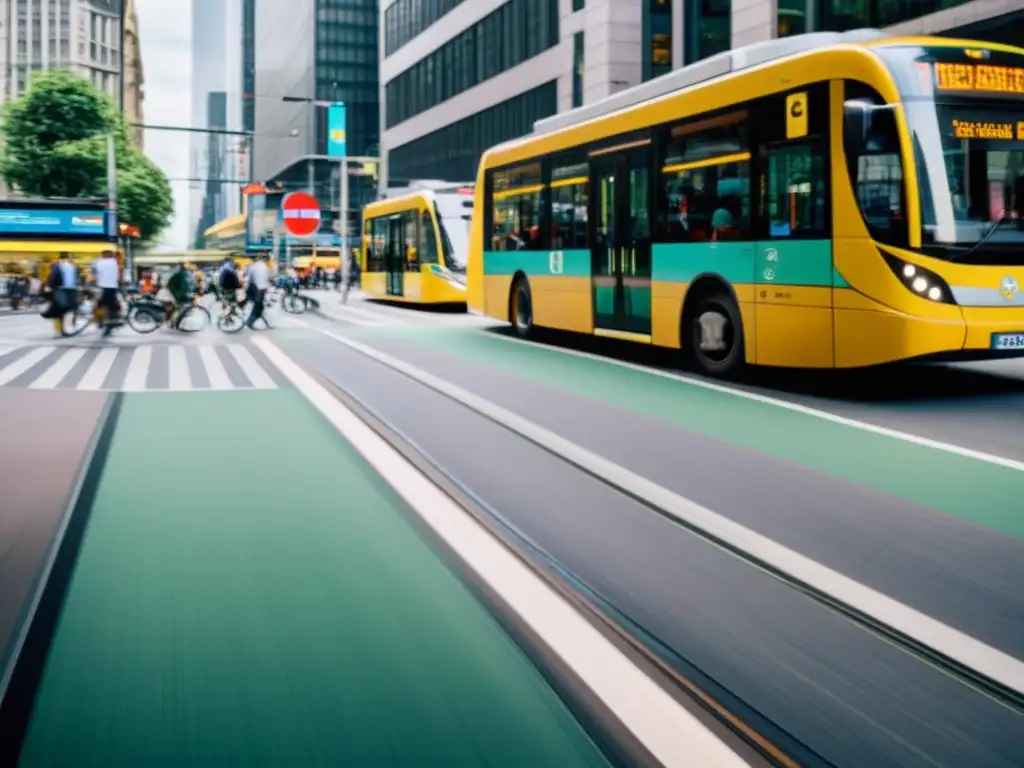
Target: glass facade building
(450,66)
(308,51)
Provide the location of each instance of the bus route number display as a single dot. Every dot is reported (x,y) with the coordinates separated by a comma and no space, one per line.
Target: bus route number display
(985,78)
(983,129)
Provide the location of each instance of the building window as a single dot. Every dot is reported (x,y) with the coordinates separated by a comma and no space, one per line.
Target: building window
(792,17)
(843,15)
(708,29)
(577,70)
(577,5)
(405,19)
(453,152)
(512,34)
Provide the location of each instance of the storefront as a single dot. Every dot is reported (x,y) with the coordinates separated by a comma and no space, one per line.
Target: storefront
(34,233)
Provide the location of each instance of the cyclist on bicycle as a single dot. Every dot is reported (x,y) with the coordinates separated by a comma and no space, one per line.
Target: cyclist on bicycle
(228,281)
(182,291)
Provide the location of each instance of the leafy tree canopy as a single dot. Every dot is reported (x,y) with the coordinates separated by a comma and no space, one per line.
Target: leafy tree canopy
(55,146)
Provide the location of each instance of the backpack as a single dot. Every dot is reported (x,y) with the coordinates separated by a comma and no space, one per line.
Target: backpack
(229,280)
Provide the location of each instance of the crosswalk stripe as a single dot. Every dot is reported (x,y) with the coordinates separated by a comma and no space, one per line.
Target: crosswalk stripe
(61,367)
(23,364)
(138,368)
(179,378)
(219,378)
(253,371)
(98,369)
(374,319)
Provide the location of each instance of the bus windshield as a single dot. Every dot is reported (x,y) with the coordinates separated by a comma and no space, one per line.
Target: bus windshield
(965,111)
(454,218)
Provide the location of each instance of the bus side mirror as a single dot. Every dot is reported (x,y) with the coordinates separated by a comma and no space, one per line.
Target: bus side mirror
(856,125)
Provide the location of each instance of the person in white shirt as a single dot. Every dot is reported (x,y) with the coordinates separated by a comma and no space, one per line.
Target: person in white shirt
(258,278)
(107,272)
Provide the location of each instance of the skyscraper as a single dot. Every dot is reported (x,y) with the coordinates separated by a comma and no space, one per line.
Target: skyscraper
(217,71)
(309,51)
(81,35)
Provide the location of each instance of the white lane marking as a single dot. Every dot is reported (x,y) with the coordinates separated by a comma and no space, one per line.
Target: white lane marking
(864,426)
(98,369)
(178,377)
(138,368)
(215,369)
(24,363)
(922,628)
(253,371)
(61,367)
(673,735)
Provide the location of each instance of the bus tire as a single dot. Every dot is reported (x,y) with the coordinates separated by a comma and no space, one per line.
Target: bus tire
(520,308)
(714,313)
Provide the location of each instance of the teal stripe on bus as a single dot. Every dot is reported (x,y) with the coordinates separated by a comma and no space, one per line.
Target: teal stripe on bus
(777,262)
(571,263)
(683,262)
(838,281)
(794,262)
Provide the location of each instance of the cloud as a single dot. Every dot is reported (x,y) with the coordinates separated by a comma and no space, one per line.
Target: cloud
(165,36)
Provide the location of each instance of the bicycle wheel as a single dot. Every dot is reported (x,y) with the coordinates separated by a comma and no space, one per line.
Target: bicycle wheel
(193,319)
(295,304)
(231,321)
(76,320)
(144,319)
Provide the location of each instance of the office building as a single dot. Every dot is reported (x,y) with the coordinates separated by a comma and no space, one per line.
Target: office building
(248,83)
(309,54)
(134,78)
(81,35)
(459,76)
(216,106)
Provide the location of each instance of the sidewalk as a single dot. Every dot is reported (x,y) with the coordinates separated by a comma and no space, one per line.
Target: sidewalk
(219,616)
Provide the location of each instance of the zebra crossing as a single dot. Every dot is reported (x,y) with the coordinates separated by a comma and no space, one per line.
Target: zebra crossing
(141,368)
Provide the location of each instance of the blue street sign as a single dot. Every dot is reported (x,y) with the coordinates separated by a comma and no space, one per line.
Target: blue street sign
(337,145)
(54,222)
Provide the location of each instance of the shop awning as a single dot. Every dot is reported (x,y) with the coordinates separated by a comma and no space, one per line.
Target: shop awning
(53,246)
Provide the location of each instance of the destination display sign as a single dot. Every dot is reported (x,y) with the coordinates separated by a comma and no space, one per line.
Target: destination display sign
(979,78)
(1003,130)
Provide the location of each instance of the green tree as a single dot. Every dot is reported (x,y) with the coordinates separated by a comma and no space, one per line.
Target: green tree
(55,145)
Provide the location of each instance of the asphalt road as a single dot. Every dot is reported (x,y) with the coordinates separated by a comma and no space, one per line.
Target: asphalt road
(934,527)
(937,531)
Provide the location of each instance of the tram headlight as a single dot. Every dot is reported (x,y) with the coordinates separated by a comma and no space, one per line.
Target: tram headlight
(921,281)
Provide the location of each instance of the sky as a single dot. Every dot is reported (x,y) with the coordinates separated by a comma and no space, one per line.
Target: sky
(165,31)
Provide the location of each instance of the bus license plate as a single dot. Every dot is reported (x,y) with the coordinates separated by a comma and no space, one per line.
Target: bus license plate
(1008,341)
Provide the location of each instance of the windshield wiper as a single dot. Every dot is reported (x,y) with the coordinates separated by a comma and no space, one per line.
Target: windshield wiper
(984,238)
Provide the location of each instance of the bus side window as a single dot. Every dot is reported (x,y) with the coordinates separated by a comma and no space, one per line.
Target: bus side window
(380,243)
(518,200)
(411,236)
(428,239)
(569,188)
(794,191)
(794,195)
(875,165)
(704,184)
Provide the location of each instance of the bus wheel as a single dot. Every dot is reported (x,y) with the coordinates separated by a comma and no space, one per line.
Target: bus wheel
(521,309)
(714,336)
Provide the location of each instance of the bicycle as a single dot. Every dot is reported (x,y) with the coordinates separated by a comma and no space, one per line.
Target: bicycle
(146,314)
(85,311)
(231,319)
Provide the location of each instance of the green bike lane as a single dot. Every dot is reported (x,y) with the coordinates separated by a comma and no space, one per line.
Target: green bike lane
(938,531)
(248,592)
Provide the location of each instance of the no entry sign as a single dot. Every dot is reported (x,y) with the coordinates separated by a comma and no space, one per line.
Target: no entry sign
(301,213)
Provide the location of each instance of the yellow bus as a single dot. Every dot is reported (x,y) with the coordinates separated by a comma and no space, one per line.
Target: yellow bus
(414,247)
(821,201)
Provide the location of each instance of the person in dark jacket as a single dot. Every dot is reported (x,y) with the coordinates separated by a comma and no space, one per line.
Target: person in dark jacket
(62,286)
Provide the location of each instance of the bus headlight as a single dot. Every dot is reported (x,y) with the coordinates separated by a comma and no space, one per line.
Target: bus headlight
(921,281)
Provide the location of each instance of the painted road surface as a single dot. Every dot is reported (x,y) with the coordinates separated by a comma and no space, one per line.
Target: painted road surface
(938,531)
(247,592)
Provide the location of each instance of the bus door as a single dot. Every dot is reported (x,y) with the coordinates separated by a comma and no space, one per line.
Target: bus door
(394,256)
(620,251)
